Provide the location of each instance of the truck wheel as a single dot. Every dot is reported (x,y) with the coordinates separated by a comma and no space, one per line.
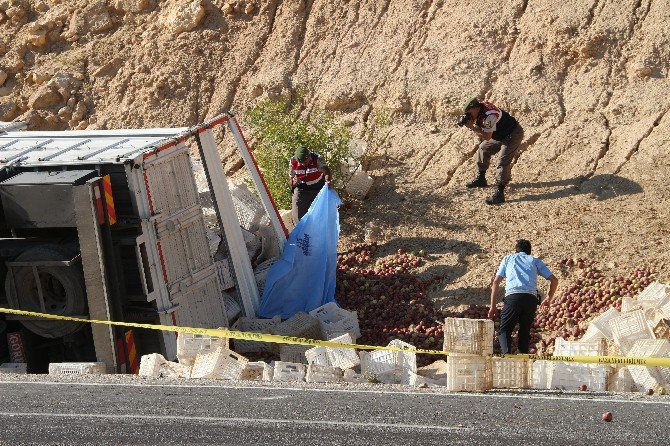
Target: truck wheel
(62,286)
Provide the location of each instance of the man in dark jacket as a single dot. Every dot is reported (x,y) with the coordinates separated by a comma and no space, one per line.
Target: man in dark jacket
(498,132)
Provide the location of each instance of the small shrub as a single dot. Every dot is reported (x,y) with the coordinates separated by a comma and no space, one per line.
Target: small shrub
(278,129)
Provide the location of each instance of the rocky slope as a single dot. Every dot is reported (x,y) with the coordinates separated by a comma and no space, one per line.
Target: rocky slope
(587,79)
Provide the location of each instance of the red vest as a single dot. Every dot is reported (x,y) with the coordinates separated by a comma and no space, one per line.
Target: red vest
(307,173)
(487,109)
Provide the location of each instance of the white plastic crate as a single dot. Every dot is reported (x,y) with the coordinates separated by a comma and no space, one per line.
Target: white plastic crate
(150,365)
(336,321)
(300,325)
(593,334)
(655,292)
(189,345)
(261,273)
(380,365)
(224,272)
(579,348)
(77,368)
(287,217)
(344,358)
(249,209)
(405,360)
(233,309)
(219,364)
(511,373)
(469,373)
(323,374)
(541,374)
(253,243)
(629,304)
(175,370)
(645,377)
(14,367)
(469,336)
(293,353)
(256,326)
(257,371)
(630,327)
(390,366)
(621,381)
(289,371)
(650,348)
(571,375)
(664,307)
(602,322)
(359,185)
(318,356)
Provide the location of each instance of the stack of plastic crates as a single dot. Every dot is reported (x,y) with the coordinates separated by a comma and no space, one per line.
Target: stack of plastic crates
(336,321)
(261,273)
(255,326)
(249,209)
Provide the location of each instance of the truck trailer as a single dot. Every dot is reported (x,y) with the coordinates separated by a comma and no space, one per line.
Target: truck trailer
(108,225)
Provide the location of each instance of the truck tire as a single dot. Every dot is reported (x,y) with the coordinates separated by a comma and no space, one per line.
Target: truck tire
(63,288)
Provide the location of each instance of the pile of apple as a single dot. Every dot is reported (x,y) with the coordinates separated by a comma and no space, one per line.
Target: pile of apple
(589,294)
(392,301)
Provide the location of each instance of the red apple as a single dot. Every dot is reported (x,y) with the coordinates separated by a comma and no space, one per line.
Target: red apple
(607,416)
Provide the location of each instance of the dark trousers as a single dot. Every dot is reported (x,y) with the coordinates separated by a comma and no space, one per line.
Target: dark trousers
(508,149)
(518,308)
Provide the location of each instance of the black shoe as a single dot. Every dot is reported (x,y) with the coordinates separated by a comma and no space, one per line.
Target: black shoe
(498,197)
(480,181)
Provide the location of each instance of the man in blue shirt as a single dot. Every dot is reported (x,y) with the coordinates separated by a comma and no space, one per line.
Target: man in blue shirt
(521,299)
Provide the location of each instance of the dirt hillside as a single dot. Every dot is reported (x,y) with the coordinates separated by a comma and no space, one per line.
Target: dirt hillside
(588,80)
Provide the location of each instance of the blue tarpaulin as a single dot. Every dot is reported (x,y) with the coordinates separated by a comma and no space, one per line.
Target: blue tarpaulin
(304,278)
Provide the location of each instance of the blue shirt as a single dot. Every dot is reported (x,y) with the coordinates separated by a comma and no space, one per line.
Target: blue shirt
(520,271)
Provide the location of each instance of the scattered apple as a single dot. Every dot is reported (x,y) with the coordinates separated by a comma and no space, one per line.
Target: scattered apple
(607,416)
(661,390)
(649,392)
(583,388)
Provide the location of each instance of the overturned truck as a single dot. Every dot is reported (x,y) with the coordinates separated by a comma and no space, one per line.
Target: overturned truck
(108,225)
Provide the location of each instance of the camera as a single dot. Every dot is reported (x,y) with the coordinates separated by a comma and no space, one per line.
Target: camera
(463,120)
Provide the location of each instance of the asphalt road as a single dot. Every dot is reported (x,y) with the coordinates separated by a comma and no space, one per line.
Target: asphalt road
(226,414)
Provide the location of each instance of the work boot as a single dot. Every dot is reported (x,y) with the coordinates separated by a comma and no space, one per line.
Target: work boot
(498,197)
(480,181)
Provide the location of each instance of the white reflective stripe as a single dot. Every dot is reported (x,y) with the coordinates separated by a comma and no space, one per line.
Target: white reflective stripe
(299,172)
(312,170)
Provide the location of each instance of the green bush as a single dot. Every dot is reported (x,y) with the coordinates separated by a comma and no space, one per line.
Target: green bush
(278,129)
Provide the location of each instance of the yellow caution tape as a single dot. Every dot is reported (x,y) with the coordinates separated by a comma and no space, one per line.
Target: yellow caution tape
(265,337)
